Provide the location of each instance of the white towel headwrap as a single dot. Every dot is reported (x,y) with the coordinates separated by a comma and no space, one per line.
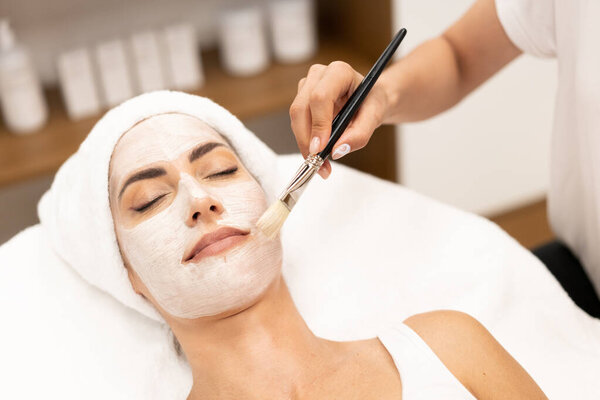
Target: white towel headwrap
(75,211)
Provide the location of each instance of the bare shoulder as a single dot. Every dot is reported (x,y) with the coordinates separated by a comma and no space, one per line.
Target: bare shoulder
(450,334)
(456,338)
(474,356)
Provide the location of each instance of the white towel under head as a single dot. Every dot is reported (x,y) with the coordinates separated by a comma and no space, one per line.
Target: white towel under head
(75,211)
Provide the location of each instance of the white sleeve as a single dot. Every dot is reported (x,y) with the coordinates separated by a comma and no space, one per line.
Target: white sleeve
(530,25)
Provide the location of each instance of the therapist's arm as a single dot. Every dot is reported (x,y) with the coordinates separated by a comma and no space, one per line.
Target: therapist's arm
(442,71)
(432,78)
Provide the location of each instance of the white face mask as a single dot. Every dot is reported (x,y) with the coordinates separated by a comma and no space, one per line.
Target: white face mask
(157,246)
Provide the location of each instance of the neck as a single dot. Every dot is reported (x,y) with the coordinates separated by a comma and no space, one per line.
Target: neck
(264,351)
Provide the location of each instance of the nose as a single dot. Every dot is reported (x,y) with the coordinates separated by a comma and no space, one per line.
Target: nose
(204,209)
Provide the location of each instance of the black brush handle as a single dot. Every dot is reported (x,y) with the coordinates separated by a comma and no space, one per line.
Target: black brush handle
(341,121)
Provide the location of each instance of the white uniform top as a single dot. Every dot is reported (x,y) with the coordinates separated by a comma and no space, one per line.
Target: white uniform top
(568,30)
(422,373)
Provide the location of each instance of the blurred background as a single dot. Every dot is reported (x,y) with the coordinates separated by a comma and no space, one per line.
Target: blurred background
(64,63)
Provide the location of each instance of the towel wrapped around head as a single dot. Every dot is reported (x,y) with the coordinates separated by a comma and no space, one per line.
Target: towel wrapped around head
(75,212)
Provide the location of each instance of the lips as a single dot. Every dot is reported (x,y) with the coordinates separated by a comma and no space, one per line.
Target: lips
(215,242)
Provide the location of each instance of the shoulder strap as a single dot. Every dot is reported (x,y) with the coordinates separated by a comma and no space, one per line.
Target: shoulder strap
(422,373)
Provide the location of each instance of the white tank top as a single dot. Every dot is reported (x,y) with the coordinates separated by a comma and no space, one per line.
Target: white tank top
(422,373)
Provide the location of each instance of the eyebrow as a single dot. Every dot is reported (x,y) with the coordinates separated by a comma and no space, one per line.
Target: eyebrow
(156,172)
(144,174)
(203,149)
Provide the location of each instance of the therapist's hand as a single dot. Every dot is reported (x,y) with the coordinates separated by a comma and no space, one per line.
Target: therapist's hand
(321,95)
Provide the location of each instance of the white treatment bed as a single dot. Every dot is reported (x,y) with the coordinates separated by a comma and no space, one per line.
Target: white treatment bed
(371,253)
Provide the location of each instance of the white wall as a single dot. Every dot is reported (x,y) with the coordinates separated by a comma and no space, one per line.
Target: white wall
(491,152)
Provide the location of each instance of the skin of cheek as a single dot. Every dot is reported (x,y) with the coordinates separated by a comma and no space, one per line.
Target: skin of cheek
(214,285)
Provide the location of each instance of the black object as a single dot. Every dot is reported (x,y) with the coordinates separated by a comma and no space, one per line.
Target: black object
(343,118)
(569,272)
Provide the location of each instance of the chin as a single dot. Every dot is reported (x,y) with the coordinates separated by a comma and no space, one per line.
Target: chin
(251,301)
(245,302)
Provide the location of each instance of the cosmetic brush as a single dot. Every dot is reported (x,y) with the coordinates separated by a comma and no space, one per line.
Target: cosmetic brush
(272,220)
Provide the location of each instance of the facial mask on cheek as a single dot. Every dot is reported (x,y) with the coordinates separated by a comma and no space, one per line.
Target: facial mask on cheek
(156,247)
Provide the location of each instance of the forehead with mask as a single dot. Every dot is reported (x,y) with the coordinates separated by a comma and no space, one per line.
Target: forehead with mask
(184,210)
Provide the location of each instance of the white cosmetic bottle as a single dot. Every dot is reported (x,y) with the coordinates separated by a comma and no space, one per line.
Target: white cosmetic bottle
(23,105)
(183,58)
(147,62)
(76,77)
(114,72)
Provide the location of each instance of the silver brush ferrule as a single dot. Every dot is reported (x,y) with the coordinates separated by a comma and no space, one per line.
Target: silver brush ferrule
(294,189)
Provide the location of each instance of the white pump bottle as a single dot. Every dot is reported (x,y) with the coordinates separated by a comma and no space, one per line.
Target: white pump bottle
(23,105)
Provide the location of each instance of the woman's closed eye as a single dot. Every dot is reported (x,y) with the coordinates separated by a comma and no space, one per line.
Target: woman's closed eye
(149,204)
(228,171)
(152,202)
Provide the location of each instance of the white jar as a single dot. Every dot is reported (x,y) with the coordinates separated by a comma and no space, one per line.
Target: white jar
(293,31)
(78,87)
(243,42)
(21,96)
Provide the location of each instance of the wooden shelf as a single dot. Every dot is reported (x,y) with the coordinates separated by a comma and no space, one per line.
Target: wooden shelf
(41,153)
(527,224)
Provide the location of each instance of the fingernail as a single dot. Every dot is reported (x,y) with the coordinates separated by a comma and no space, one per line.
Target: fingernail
(341,151)
(314,145)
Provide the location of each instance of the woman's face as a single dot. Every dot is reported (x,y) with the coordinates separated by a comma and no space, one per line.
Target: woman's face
(185,210)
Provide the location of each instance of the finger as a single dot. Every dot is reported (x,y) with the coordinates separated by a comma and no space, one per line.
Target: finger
(301,83)
(325,169)
(300,117)
(360,130)
(337,82)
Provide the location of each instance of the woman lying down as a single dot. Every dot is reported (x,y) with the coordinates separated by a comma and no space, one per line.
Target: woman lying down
(177,185)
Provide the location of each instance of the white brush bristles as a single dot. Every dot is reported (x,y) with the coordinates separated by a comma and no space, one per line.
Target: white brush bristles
(272,220)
